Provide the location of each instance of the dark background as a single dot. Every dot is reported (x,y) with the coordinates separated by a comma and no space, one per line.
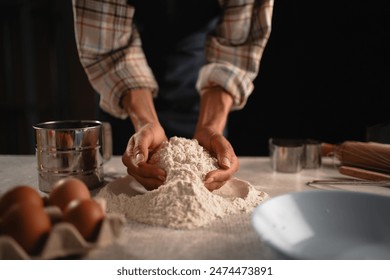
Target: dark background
(324,74)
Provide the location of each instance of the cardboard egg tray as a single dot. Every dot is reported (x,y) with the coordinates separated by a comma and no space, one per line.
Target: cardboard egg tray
(64,239)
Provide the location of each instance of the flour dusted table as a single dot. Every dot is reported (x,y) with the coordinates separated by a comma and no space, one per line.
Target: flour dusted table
(229,238)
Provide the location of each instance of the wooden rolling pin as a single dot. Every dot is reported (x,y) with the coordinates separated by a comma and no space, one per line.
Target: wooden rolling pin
(363,173)
(357,157)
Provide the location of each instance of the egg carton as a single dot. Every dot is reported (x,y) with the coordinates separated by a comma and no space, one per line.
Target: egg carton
(64,239)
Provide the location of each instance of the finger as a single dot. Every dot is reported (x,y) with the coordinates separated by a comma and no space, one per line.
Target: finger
(229,162)
(140,149)
(219,175)
(151,177)
(149,171)
(224,161)
(222,175)
(227,159)
(214,185)
(127,157)
(148,183)
(223,151)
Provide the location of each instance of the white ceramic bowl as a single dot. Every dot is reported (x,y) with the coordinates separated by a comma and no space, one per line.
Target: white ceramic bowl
(326,225)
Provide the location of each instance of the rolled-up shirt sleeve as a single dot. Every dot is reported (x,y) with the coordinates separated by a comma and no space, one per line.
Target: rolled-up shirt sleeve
(110,51)
(234,51)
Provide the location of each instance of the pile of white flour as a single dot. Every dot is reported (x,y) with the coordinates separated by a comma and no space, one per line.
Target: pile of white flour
(182,202)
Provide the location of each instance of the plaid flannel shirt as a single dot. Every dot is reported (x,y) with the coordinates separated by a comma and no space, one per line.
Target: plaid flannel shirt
(110,49)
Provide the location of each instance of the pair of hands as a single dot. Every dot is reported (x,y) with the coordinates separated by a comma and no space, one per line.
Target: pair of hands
(142,144)
(215,106)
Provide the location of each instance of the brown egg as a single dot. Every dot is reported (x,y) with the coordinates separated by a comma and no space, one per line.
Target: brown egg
(86,215)
(66,190)
(19,194)
(28,224)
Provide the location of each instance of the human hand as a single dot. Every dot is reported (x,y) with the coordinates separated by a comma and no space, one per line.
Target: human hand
(215,105)
(219,147)
(138,152)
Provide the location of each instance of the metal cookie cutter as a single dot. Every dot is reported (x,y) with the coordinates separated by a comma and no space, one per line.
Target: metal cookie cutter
(292,155)
(312,154)
(286,155)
